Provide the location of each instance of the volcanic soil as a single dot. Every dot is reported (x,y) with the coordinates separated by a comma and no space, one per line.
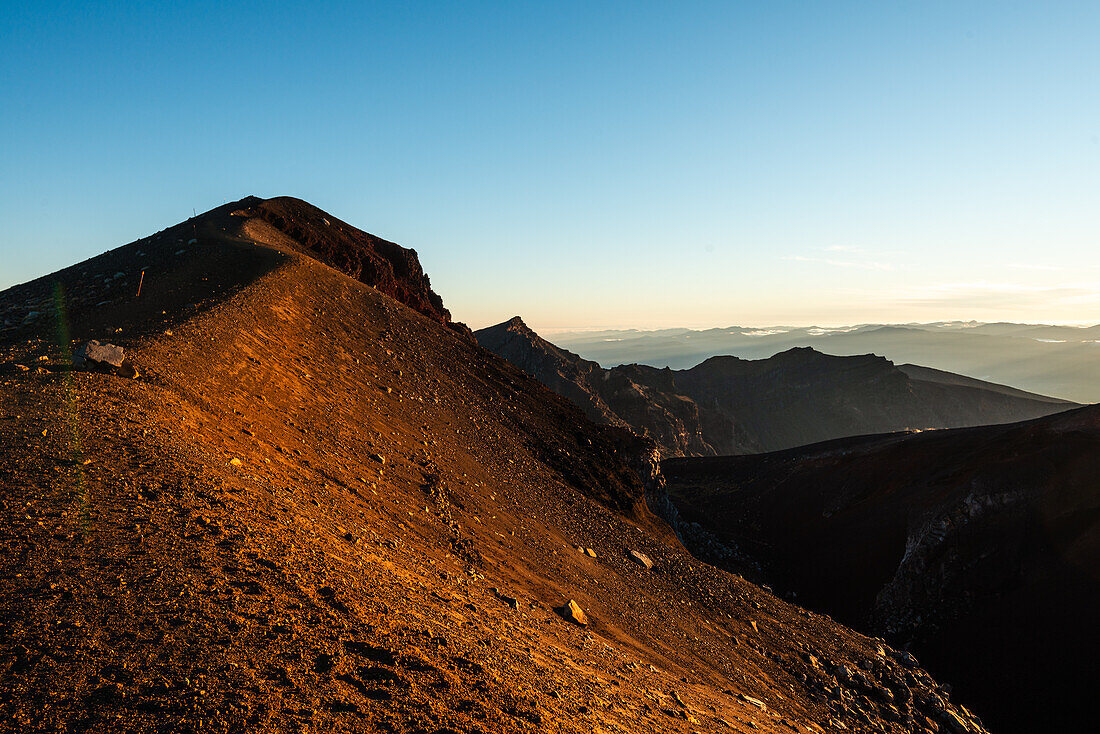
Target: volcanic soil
(318,509)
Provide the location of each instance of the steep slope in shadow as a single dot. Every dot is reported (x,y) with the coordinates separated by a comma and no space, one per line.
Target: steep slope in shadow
(927,374)
(320,510)
(635,396)
(979,547)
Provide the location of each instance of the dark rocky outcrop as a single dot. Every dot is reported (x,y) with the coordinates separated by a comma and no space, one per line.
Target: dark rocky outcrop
(978,547)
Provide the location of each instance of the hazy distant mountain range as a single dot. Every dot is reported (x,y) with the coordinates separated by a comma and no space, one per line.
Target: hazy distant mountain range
(726,405)
(1061,361)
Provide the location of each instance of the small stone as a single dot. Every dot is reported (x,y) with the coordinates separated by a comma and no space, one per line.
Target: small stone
(906,658)
(590,553)
(753,701)
(573,613)
(641,558)
(511,601)
(235,462)
(955,722)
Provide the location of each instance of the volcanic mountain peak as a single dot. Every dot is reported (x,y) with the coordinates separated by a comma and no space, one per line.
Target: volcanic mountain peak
(317,510)
(517,324)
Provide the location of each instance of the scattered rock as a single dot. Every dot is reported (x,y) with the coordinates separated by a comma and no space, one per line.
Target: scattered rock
(590,553)
(100,355)
(573,613)
(108,358)
(753,701)
(955,723)
(641,558)
(235,461)
(906,658)
(509,600)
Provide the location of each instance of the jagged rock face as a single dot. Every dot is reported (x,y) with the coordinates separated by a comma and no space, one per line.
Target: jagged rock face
(642,398)
(384,265)
(562,371)
(979,547)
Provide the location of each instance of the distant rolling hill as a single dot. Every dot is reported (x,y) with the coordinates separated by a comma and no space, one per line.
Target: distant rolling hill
(728,405)
(1062,361)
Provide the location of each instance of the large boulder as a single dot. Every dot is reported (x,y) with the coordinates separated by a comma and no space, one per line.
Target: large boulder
(95,354)
(107,358)
(572,612)
(641,559)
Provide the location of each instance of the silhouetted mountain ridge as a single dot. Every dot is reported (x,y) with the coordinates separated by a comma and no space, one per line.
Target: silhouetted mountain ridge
(727,405)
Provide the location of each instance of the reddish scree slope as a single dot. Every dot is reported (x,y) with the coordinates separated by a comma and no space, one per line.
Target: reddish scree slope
(319,510)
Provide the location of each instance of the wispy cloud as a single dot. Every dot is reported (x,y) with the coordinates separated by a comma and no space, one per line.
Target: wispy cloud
(992,294)
(1035,266)
(860,265)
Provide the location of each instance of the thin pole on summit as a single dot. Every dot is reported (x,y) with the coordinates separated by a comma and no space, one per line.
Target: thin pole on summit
(140,281)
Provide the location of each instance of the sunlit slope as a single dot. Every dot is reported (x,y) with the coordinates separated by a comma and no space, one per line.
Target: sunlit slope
(320,510)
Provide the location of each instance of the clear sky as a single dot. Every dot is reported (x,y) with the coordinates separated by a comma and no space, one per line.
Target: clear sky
(588,164)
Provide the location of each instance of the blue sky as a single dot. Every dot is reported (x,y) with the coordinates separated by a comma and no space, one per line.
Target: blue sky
(589,165)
